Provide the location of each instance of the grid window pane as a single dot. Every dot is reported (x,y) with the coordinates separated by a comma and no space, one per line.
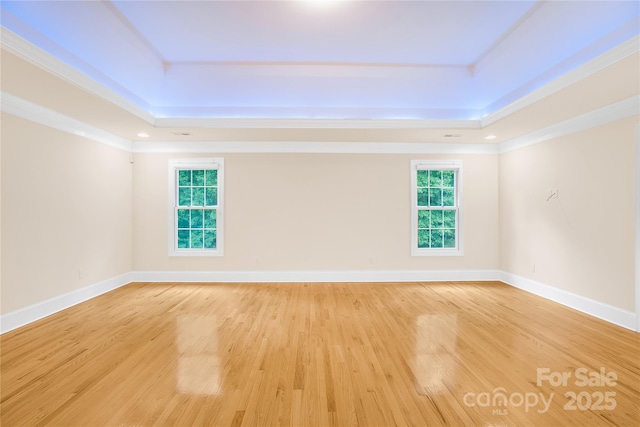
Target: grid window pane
(424,219)
(211,196)
(197,178)
(449,219)
(196,239)
(197,196)
(210,239)
(211,178)
(184,196)
(449,238)
(423,238)
(435,178)
(423,178)
(196,218)
(423,197)
(436,219)
(184,241)
(209,218)
(448,197)
(184,178)
(184,216)
(435,197)
(448,178)
(436,238)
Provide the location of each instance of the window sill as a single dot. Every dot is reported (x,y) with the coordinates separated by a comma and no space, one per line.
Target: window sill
(437,252)
(190,253)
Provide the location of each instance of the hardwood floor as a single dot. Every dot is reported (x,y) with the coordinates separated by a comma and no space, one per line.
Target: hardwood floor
(337,354)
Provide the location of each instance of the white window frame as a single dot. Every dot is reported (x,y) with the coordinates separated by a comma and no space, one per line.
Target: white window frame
(455,165)
(195,163)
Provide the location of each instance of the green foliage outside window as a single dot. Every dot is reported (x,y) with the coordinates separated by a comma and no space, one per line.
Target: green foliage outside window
(197,209)
(437,213)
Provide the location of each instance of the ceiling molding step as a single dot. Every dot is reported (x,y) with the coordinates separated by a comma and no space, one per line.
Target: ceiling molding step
(16,106)
(601,62)
(264,123)
(26,50)
(313,147)
(617,111)
(27,110)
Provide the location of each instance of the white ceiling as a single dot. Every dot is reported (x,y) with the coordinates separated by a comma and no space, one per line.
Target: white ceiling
(427,60)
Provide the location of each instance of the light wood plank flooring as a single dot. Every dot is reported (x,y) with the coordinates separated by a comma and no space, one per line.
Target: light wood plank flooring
(318,354)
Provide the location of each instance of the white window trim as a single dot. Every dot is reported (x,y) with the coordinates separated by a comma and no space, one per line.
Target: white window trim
(195,163)
(436,164)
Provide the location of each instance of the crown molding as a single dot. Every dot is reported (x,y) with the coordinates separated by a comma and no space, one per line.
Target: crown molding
(23,48)
(313,147)
(33,112)
(26,50)
(620,110)
(16,106)
(601,62)
(28,110)
(323,123)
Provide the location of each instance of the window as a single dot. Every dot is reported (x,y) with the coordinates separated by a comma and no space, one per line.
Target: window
(195,207)
(436,208)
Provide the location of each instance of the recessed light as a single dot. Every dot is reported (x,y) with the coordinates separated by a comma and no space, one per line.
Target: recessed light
(143,135)
(490,137)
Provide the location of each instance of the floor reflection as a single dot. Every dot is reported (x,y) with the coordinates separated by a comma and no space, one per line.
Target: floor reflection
(434,363)
(198,370)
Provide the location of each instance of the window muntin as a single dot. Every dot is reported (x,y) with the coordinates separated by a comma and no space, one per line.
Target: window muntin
(436,217)
(196,204)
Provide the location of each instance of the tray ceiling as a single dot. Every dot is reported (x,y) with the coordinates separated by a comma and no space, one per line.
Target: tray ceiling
(426,60)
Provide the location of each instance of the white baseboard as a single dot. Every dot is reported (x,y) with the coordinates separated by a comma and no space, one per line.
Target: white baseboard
(23,316)
(317,276)
(615,315)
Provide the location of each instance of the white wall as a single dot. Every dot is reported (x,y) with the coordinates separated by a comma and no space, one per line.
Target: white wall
(583,241)
(327,212)
(66,213)
(74,213)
